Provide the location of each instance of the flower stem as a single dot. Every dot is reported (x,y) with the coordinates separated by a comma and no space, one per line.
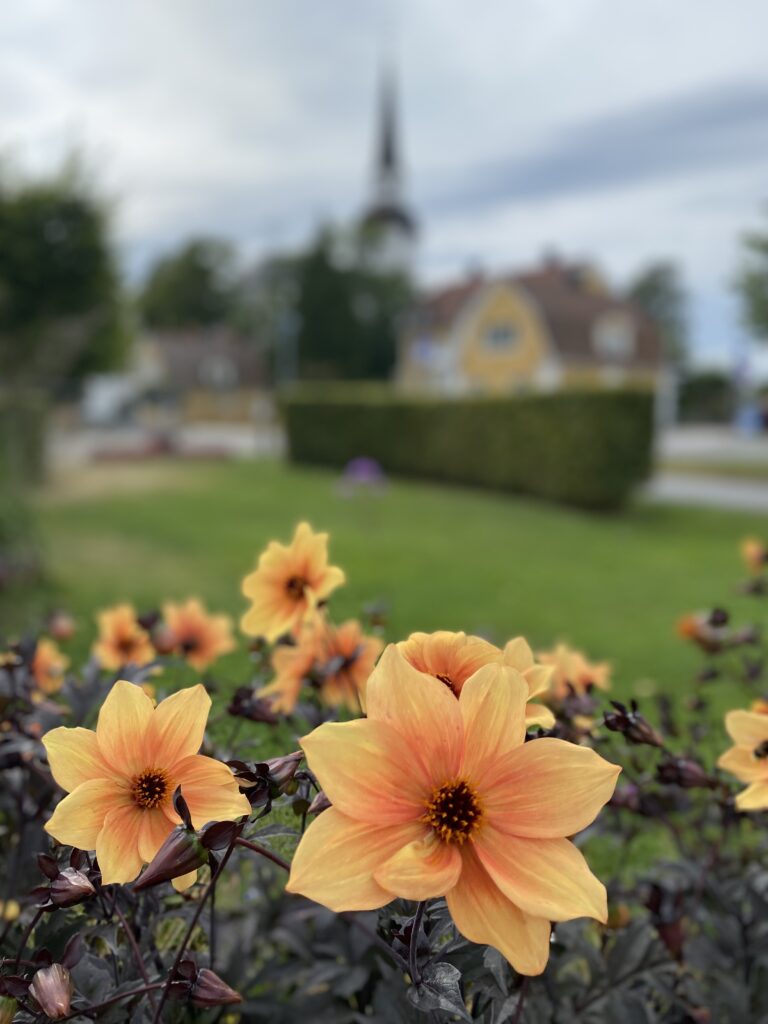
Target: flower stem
(25,937)
(264,852)
(413,967)
(134,948)
(89,1010)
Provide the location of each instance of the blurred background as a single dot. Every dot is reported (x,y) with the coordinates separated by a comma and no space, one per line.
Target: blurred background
(401,270)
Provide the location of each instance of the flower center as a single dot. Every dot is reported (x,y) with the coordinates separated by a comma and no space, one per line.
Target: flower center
(149,788)
(447,681)
(453,812)
(295,587)
(126,645)
(190,644)
(761,750)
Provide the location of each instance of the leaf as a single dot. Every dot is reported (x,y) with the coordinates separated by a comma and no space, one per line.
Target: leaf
(439,990)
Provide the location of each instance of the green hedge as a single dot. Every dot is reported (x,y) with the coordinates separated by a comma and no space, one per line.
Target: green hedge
(583,448)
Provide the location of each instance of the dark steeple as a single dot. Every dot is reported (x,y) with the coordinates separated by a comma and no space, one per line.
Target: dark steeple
(387,209)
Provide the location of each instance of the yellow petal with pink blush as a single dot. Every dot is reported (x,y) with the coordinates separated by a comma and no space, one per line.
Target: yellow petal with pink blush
(154,829)
(423,869)
(178,725)
(753,798)
(210,790)
(75,757)
(117,845)
(492,705)
(79,817)
(483,914)
(337,857)
(547,789)
(421,709)
(741,762)
(545,877)
(747,728)
(368,771)
(538,714)
(123,720)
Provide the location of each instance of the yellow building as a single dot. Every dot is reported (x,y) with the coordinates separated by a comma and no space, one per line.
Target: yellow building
(555,326)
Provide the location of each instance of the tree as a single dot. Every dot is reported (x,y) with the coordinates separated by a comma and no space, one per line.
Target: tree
(752,284)
(191,287)
(659,291)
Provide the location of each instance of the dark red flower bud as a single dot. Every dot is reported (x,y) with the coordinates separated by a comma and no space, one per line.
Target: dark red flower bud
(632,724)
(164,640)
(61,626)
(52,988)
(626,797)
(282,771)
(684,772)
(319,804)
(70,887)
(208,990)
(181,853)
(245,704)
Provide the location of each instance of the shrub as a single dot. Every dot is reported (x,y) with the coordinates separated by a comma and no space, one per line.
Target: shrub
(584,448)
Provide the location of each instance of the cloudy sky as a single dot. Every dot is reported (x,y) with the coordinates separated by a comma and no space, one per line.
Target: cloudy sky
(617,131)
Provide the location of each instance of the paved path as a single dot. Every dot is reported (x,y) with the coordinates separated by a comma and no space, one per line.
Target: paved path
(712,491)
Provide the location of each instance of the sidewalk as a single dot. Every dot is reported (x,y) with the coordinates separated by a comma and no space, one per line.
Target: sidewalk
(712,491)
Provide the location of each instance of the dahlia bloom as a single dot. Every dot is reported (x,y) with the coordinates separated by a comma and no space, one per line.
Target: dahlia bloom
(292,664)
(121,778)
(571,670)
(122,640)
(453,658)
(49,666)
(754,554)
(199,637)
(288,583)
(437,796)
(748,757)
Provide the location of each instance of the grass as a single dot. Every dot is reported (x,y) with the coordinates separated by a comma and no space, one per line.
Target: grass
(439,557)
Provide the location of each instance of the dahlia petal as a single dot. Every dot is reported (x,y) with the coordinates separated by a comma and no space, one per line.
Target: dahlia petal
(492,705)
(117,845)
(538,714)
(545,877)
(747,728)
(336,858)
(367,770)
(74,757)
(331,578)
(742,763)
(210,791)
(421,709)
(421,870)
(754,797)
(483,914)
(154,829)
(539,679)
(547,789)
(178,725)
(79,817)
(518,654)
(123,721)
(182,882)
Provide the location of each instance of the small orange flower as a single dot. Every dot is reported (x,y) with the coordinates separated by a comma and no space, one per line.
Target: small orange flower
(121,778)
(199,637)
(748,758)
(754,554)
(293,664)
(49,666)
(573,671)
(122,640)
(346,658)
(288,583)
(699,628)
(453,658)
(759,706)
(437,796)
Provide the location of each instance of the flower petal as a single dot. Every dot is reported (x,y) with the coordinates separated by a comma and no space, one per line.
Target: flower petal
(210,790)
(336,858)
(741,762)
(547,789)
(79,817)
(518,654)
(421,709)
(117,846)
(747,728)
(421,870)
(368,771)
(545,877)
(538,714)
(753,798)
(74,757)
(182,882)
(123,721)
(492,704)
(154,829)
(178,726)
(483,914)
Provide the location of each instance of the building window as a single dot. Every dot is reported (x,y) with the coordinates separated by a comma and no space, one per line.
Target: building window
(501,335)
(613,337)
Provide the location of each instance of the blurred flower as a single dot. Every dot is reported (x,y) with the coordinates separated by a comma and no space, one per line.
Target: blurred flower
(292,665)
(61,626)
(759,706)
(434,796)
(9,910)
(754,554)
(748,758)
(246,704)
(630,723)
(453,658)
(572,673)
(199,637)
(684,772)
(52,988)
(121,778)
(48,666)
(346,658)
(288,584)
(8,1007)
(208,990)
(122,640)
(362,473)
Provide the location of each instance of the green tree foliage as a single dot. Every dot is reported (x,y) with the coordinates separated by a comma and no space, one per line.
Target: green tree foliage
(659,291)
(191,287)
(60,304)
(752,284)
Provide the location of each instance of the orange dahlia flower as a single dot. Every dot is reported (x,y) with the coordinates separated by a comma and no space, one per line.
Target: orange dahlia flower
(121,778)
(748,758)
(572,670)
(346,657)
(199,637)
(754,554)
(288,583)
(433,796)
(49,666)
(293,664)
(453,658)
(122,640)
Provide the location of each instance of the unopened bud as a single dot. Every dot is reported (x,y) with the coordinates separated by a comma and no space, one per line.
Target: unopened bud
(181,853)
(52,988)
(70,887)
(164,640)
(632,724)
(684,772)
(282,770)
(320,803)
(245,704)
(208,990)
(61,626)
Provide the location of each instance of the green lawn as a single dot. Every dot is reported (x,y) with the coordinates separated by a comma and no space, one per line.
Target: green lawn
(439,557)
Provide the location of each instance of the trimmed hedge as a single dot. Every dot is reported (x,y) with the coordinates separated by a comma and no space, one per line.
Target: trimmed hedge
(583,448)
